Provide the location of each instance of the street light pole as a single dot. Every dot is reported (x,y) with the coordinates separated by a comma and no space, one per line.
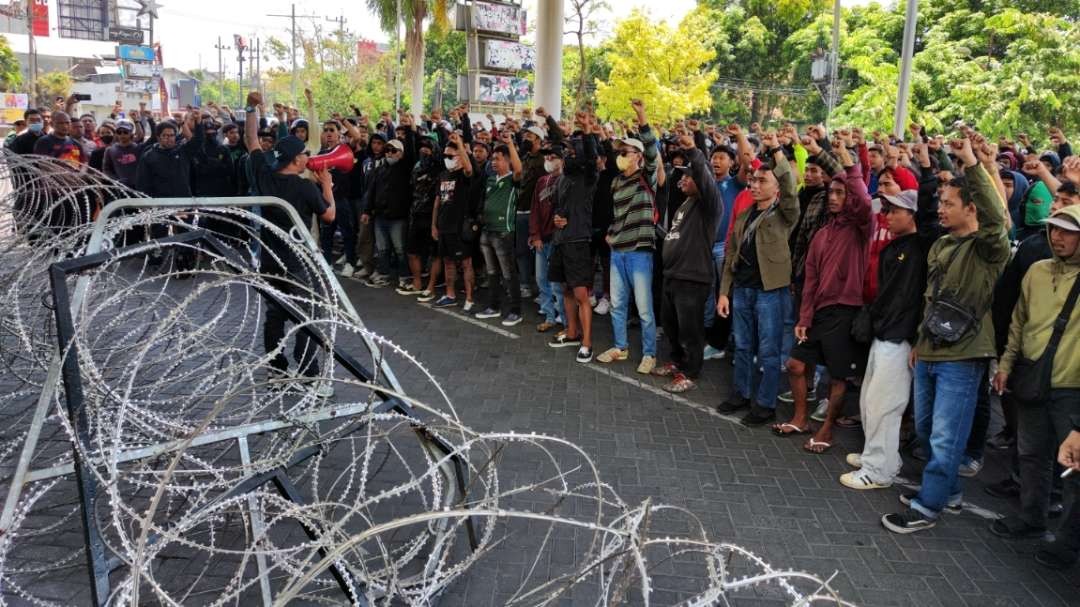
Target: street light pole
(904,90)
(834,63)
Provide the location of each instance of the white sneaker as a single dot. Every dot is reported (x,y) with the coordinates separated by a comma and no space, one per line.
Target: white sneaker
(346,270)
(377,277)
(340,260)
(603,306)
(361,273)
(712,353)
(468,307)
(822,411)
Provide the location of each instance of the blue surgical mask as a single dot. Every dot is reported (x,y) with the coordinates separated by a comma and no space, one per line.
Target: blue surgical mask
(36,127)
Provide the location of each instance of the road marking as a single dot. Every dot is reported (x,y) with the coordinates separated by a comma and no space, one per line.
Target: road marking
(474,321)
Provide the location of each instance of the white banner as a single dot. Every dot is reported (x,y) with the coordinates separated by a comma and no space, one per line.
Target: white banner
(501,18)
(506,55)
(503,89)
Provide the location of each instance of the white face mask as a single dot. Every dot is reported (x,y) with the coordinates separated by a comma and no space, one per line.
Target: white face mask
(392,160)
(451,163)
(551,165)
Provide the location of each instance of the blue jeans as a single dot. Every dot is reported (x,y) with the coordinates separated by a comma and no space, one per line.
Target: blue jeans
(758,320)
(718,250)
(390,237)
(551,293)
(632,273)
(945,395)
(787,338)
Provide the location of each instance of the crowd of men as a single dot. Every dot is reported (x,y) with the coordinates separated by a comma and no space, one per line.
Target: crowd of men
(921,274)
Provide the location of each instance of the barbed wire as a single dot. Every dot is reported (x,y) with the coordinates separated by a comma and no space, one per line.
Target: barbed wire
(171,352)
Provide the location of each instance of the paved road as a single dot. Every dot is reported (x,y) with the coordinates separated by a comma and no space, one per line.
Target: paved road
(749,486)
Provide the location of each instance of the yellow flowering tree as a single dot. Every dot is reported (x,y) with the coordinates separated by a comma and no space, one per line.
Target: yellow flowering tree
(665,67)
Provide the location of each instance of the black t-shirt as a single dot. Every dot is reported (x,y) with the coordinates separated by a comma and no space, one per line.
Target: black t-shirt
(122,162)
(61,148)
(454,201)
(747,271)
(24,143)
(302,194)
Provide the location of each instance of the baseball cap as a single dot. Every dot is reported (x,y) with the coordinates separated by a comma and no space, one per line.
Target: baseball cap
(907,199)
(394,143)
(1064,221)
(124,123)
(535,130)
(634,143)
(557,149)
(285,150)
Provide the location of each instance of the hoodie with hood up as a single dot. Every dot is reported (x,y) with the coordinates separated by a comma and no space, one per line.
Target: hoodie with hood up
(1042,296)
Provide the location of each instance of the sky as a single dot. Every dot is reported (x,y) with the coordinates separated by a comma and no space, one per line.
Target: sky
(189,30)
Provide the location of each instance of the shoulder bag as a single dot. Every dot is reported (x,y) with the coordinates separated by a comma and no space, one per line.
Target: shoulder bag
(1029,381)
(948,320)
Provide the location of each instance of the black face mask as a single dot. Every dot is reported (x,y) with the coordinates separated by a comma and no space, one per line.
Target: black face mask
(107,139)
(526,146)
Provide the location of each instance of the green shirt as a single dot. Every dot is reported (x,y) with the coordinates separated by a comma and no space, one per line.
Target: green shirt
(500,204)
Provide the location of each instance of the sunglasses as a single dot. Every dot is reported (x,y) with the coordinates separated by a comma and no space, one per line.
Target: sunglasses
(627,152)
(393,150)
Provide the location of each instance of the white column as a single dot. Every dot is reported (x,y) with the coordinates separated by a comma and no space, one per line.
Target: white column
(549,43)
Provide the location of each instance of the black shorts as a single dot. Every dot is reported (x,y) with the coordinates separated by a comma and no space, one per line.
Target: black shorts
(452,247)
(571,263)
(829,342)
(418,240)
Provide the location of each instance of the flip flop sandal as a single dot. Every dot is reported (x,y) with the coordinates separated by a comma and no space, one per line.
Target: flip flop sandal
(816,447)
(848,422)
(665,370)
(778,429)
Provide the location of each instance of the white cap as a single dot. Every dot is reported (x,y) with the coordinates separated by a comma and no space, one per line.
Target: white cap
(634,143)
(535,130)
(394,143)
(1063,221)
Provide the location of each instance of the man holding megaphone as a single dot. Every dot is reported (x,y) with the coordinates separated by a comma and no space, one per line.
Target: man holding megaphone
(279,173)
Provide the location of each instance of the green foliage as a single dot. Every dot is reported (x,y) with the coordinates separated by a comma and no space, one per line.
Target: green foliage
(597,68)
(665,67)
(51,85)
(226,92)
(10,71)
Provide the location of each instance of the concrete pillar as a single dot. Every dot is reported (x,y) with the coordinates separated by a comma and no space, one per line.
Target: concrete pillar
(549,43)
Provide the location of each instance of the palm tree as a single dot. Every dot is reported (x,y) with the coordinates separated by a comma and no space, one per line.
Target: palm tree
(414,13)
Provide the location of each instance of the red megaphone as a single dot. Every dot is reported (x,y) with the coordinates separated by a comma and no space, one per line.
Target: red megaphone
(340,158)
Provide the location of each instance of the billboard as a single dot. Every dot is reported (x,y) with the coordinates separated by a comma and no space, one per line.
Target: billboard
(503,89)
(39,17)
(507,55)
(131,52)
(12,106)
(498,18)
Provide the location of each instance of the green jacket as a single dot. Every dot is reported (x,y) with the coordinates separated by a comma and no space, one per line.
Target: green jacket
(971,277)
(774,254)
(1042,296)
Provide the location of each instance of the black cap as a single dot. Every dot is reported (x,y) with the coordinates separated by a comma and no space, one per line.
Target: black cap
(287,149)
(377,136)
(556,149)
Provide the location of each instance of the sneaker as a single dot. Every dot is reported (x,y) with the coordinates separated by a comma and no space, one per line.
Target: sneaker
(584,355)
(953,507)
(1015,528)
(854,460)
(446,302)
(381,277)
(340,260)
(425,296)
(376,282)
(1004,489)
(648,363)
(970,467)
(613,354)
(526,293)
(346,270)
(679,383)
(562,341)
(468,307)
(735,403)
(907,522)
(361,273)
(786,397)
(822,410)
(408,289)
(511,320)
(860,480)
(712,353)
(488,313)
(758,416)
(603,306)
(538,300)
(1056,556)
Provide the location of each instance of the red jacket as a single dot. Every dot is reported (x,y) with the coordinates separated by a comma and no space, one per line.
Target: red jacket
(542,216)
(836,262)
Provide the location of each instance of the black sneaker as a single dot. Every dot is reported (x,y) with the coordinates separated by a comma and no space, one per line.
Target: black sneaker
(906,522)
(952,507)
(584,355)
(758,416)
(1005,489)
(736,403)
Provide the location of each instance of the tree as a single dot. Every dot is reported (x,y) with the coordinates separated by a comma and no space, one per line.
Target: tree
(444,59)
(10,71)
(415,13)
(665,67)
(211,89)
(51,85)
(583,23)
(596,68)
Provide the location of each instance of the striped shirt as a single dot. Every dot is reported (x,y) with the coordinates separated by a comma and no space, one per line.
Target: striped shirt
(633,199)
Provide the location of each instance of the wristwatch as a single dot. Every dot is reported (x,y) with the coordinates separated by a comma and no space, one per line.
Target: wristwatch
(249,109)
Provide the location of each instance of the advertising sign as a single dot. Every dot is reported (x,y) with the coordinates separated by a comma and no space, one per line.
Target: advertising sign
(503,89)
(131,52)
(141,70)
(507,55)
(498,18)
(39,18)
(124,35)
(12,106)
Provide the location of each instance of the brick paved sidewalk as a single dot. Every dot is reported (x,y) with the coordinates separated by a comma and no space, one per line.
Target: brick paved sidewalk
(748,486)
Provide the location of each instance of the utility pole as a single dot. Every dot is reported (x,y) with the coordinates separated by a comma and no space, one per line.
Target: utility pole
(397,58)
(251,67)
(834,63)
(292,30)
(258,65)
(221,69)
(340,33)
(904,90)
(239,41)
(32,68)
